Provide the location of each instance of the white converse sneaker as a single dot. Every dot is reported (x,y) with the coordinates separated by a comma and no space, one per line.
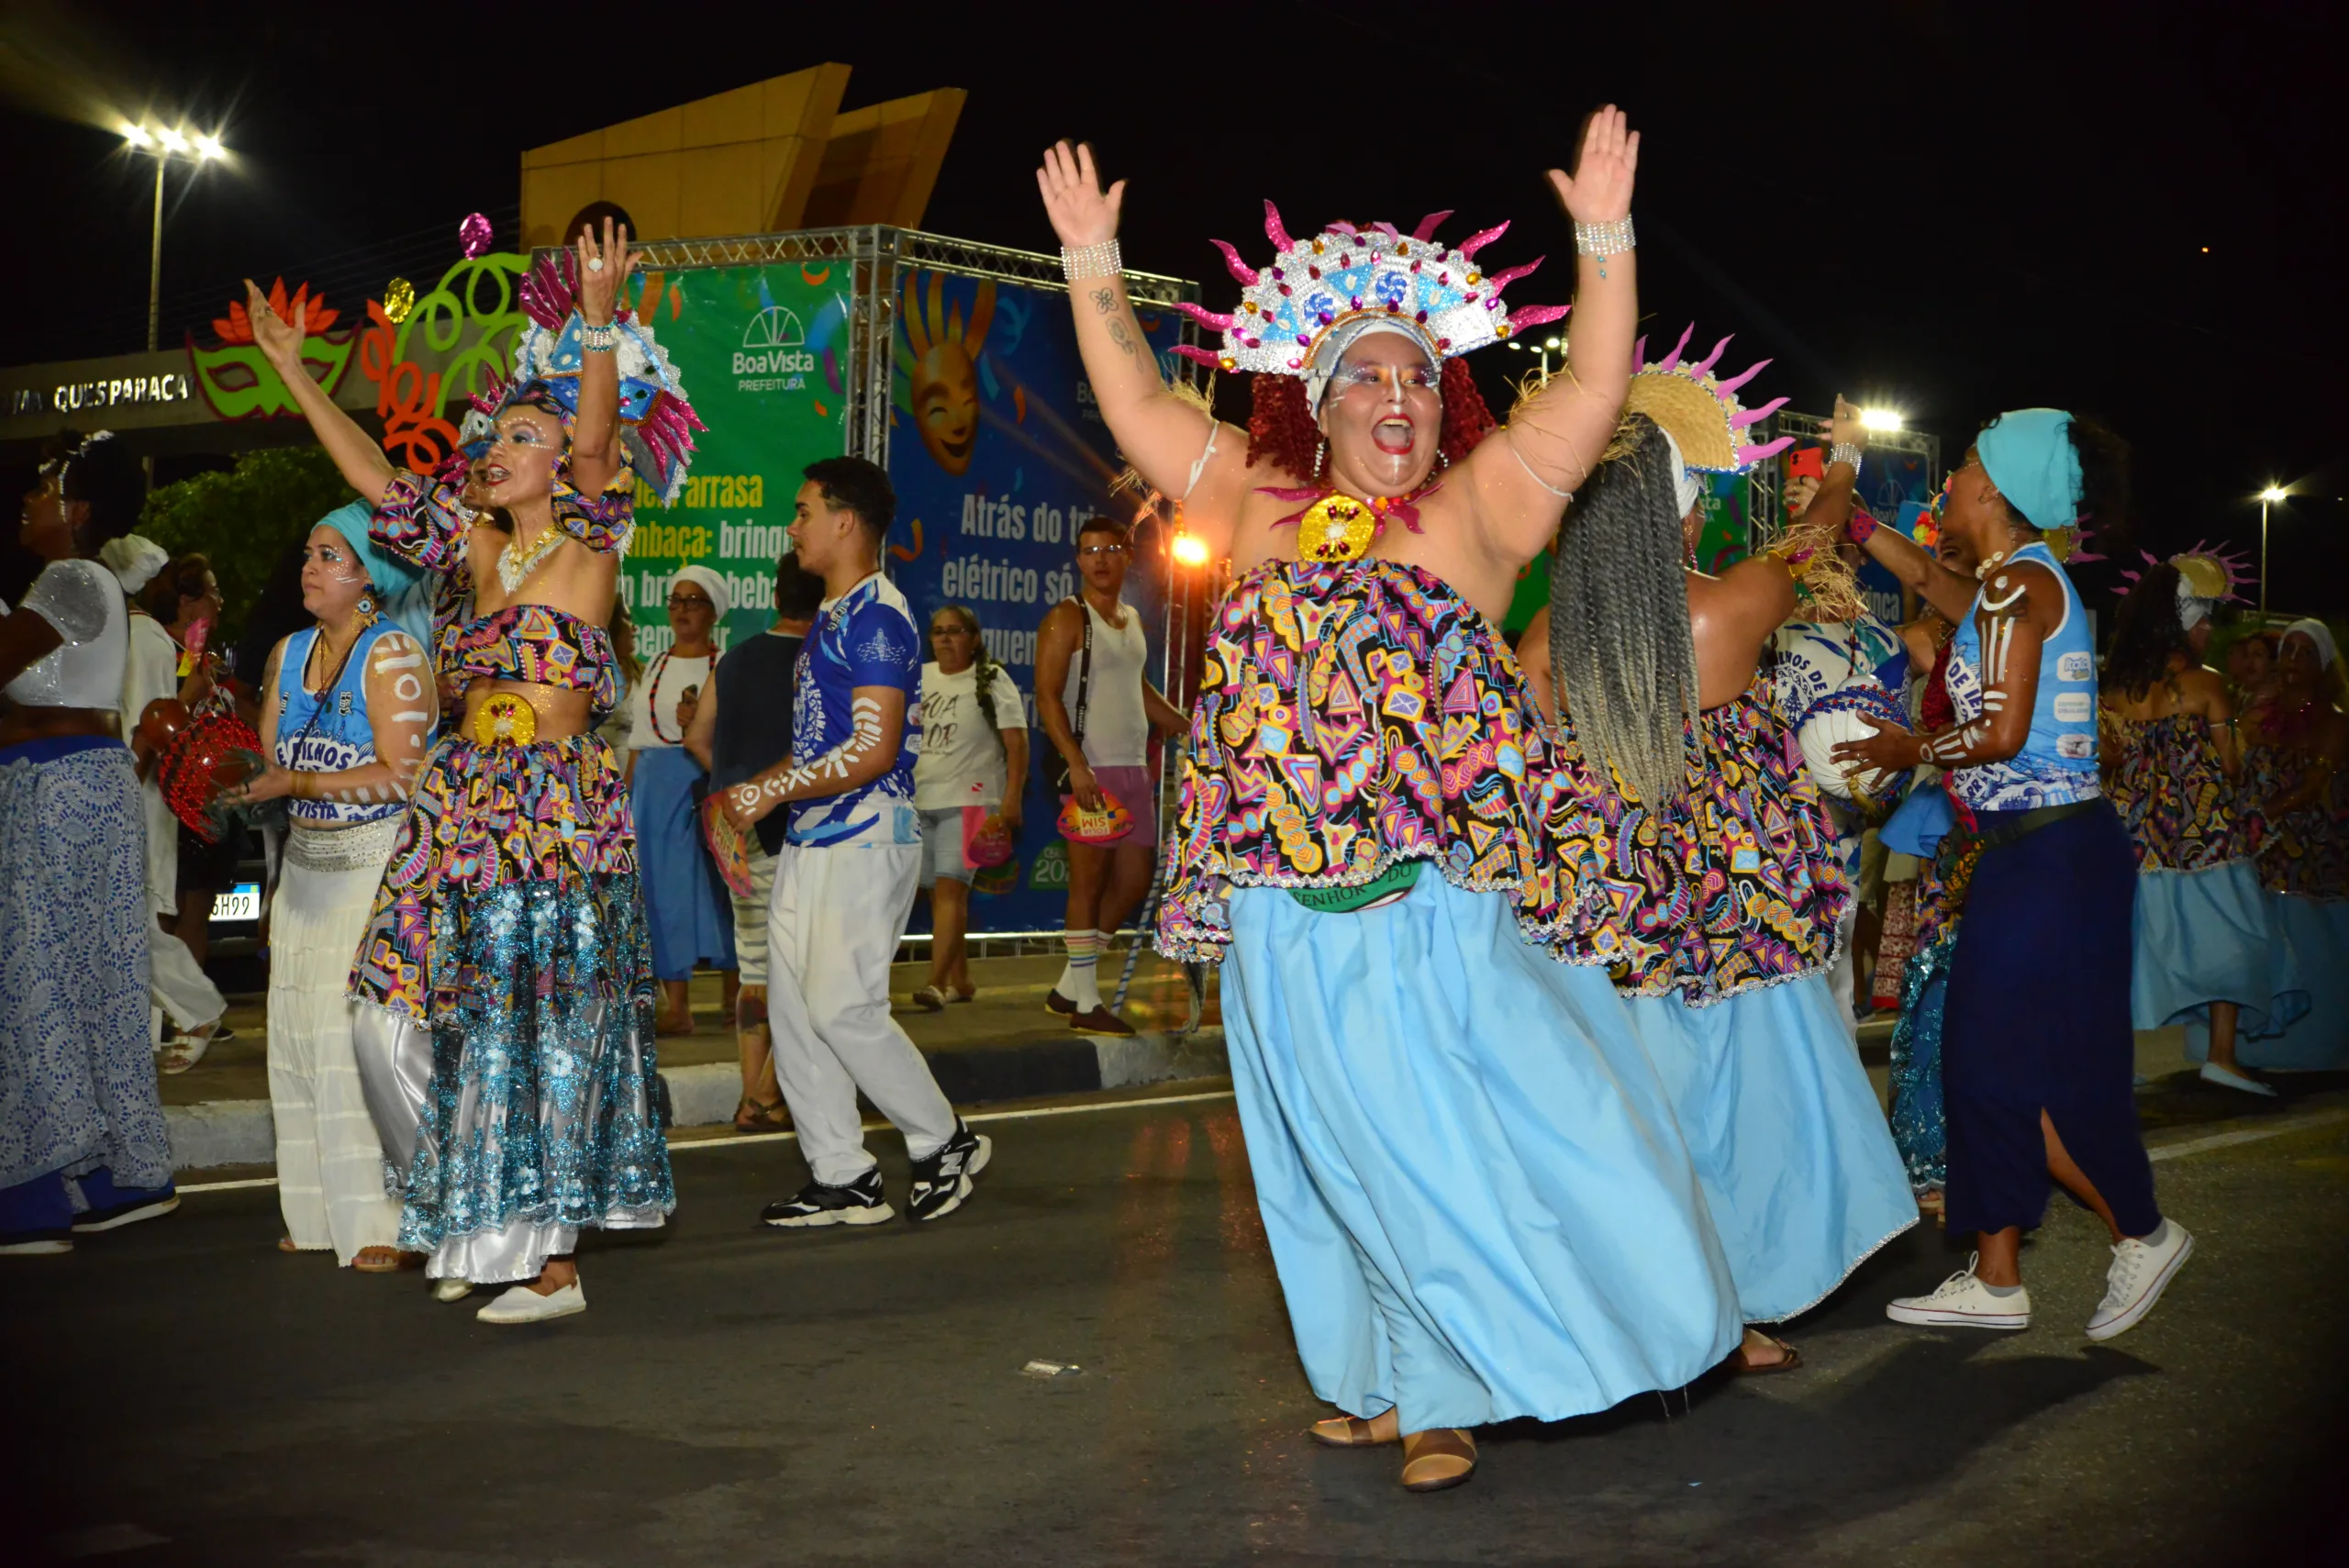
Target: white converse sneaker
(523,1304)
(1964,1302)
(2136,1280)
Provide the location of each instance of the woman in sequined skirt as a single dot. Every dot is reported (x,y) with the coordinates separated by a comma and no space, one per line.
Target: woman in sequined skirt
(506,1018)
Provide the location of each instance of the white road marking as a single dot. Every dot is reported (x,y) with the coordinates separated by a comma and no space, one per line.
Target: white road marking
(681,1145)
(2247,1135)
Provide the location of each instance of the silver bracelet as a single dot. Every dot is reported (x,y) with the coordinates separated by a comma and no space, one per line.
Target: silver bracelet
(599,339)
(1612,238)
(1845,451)
(1100,261)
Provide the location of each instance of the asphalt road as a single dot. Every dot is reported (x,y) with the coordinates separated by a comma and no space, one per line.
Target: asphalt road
(182,1393)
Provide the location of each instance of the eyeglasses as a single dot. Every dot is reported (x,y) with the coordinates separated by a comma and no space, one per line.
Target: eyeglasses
(689,602)
(1091,549)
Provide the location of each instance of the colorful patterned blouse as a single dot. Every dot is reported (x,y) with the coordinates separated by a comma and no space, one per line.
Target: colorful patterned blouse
(1352,715)
(1735,884)
(2165,778)
(2305,852)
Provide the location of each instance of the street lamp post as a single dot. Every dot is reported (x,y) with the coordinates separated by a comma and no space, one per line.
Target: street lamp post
(163,145)
(2267,498)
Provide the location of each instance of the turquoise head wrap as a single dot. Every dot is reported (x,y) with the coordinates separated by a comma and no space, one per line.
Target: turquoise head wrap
(2028,455)
(402,593)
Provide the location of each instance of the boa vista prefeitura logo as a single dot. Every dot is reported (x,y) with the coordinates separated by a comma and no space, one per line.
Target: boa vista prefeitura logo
(773,356)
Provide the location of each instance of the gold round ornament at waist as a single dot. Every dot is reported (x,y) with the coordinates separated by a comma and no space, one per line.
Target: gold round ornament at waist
(505,719)
(1336,528)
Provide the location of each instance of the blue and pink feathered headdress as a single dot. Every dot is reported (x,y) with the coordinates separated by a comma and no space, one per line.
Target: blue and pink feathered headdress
(656,421)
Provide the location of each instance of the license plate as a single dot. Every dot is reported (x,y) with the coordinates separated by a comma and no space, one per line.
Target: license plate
(241,902)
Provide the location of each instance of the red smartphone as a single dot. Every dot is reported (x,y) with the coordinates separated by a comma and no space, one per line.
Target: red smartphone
(1808,463)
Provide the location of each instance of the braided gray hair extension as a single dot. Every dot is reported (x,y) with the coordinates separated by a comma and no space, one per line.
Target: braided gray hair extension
(1621,652)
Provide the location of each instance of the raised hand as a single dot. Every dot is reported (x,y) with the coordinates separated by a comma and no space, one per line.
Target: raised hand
(1080,213)
(1845,426)
(279,344)
(604,266)
(1599,190)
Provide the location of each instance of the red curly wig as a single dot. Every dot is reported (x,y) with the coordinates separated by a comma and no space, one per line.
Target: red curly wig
(1281,428)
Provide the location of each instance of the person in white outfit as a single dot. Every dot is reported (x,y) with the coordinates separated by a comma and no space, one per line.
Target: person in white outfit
(347,707)
(1097,708)
(973,760)
(183,992)
(845,876)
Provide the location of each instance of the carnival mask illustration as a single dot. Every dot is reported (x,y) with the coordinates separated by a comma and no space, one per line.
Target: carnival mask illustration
(943,377)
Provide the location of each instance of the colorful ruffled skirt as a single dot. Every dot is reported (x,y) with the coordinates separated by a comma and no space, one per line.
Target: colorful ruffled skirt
(509,1058)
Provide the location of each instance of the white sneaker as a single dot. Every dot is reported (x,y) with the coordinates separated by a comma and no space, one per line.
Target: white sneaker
(2136,1280)
(523,1304)
(452,1289)
(1964,1302)
(2214,1074)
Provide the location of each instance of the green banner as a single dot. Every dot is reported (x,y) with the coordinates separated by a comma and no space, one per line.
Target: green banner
(763,355)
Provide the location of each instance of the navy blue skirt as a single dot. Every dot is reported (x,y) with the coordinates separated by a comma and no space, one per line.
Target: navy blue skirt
(2037,1018)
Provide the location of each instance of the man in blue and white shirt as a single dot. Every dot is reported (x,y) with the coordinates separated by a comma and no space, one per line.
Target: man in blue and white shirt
(845,877)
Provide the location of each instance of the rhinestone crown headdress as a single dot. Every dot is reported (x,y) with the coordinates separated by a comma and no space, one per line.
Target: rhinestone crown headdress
(1703,414)
(1345,273)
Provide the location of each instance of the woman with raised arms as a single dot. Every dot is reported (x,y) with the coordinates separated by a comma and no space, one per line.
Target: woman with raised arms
(1476,1198)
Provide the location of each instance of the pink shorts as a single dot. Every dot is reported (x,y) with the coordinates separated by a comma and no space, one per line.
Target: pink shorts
(1137,790)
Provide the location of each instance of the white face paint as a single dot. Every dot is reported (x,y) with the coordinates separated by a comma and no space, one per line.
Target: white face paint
(832,767)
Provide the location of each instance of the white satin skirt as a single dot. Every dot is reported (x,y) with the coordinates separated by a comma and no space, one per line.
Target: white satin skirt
(330,1158)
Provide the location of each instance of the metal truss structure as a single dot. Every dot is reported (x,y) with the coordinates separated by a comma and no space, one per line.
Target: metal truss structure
(1764,518)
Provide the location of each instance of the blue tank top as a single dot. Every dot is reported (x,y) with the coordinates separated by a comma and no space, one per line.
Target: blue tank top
(2057,764)
(325,732)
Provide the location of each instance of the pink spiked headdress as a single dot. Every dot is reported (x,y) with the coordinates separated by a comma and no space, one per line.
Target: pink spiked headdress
(1312,287)
(1701,413)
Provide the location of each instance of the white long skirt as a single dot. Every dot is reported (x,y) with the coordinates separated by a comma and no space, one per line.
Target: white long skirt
(330,1160)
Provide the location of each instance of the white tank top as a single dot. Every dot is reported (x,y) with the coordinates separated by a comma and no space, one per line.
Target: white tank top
(1117,726)
(83,600)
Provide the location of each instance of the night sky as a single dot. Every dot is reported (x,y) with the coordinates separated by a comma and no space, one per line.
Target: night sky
(1952,209)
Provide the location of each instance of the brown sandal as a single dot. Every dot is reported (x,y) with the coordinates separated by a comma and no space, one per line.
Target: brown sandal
(286,1244)
(751,1115)
(1739,1364)
(1348,1432)
(1438,1459)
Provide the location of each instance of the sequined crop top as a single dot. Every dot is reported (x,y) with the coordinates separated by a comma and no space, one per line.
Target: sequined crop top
(423,520)
(83,600)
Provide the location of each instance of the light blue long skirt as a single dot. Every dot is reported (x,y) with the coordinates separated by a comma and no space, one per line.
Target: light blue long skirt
(687,919)
(2211,936)
(1477,1200)
(1798,1161)
(2316,1037)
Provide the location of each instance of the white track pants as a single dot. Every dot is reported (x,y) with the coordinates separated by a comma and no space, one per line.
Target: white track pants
(833,924)
(180,986)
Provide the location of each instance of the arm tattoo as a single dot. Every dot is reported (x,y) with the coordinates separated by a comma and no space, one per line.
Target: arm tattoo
(832,767)
(1105,301)
(1121,337)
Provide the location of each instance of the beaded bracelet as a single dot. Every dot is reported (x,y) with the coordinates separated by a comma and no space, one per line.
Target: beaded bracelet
(1609,239)
(599,339)
(1845,451)
(1101,261)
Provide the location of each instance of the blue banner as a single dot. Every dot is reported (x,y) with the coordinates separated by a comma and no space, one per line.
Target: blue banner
(998,454)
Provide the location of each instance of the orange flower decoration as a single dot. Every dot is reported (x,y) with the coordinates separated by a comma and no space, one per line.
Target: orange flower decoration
(238,327)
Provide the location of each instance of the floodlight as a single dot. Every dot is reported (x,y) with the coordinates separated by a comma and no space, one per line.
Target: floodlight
(1190,549)
(1880,418)
(209,147)
(136,135)
(2271,493)
(172,140)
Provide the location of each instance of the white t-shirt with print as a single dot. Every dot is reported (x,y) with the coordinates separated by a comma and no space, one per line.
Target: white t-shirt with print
(962,763)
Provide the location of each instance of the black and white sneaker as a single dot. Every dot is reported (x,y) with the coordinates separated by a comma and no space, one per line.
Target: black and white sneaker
(943,1181)
(862,1201)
